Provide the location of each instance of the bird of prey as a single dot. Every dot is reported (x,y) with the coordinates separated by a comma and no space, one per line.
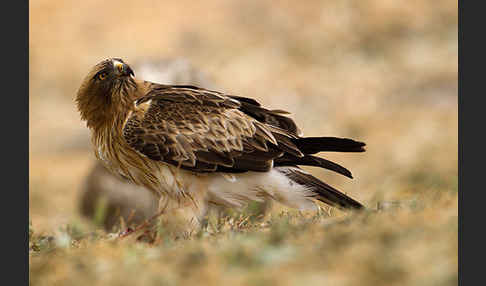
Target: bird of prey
(193,147)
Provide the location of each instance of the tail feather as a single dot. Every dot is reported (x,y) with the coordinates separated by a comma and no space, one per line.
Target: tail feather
(309,160)
(312,145)
(298,151)
(323,192)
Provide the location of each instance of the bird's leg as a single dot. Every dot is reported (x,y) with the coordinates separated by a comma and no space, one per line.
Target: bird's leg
(149,223)
(182,215)
(145,224)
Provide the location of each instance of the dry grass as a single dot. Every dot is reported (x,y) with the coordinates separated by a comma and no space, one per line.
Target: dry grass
(385,248)
(384,72)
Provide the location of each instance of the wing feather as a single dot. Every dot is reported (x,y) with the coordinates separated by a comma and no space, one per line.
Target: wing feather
(200,130)
(207,131)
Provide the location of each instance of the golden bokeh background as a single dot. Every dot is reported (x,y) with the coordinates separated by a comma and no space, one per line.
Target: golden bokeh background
(383,72)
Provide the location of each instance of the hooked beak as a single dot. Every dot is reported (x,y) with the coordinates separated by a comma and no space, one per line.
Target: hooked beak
(123,69)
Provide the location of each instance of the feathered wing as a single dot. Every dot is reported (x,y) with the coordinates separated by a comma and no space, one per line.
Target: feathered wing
(200,130)
(207,131)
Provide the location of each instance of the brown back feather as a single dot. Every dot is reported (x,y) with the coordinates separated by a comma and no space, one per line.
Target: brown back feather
(200,130)
(207,131)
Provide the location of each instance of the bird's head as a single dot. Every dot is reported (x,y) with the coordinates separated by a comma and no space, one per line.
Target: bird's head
(108,87)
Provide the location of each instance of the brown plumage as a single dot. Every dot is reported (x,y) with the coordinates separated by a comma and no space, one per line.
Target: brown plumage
(192,146)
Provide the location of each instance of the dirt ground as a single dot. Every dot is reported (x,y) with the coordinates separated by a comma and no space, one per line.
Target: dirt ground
(382,72)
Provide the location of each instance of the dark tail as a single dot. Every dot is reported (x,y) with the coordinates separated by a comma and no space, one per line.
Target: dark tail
(298,150)
(312,145)
(323,192)
(309,160)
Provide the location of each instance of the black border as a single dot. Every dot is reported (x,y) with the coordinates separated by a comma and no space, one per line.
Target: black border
(15,142)
(471,123)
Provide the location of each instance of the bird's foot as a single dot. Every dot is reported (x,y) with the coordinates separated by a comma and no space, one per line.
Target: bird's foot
(141,226)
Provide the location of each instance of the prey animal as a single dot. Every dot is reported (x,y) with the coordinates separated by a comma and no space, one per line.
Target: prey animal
(193,147)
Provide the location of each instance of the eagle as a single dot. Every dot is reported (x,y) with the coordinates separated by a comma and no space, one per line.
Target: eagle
(193,147)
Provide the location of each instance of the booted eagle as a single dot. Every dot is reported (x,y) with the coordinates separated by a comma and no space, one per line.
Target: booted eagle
(192,146)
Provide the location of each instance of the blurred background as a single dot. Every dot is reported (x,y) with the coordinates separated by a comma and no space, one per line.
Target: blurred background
(382,72)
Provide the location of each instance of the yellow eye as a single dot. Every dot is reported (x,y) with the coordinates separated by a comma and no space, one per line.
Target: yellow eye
(102,76)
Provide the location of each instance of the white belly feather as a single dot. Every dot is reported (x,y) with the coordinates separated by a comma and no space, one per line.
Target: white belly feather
(236,190)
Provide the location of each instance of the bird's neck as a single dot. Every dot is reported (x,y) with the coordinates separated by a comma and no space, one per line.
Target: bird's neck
(111,116)
(111,120)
